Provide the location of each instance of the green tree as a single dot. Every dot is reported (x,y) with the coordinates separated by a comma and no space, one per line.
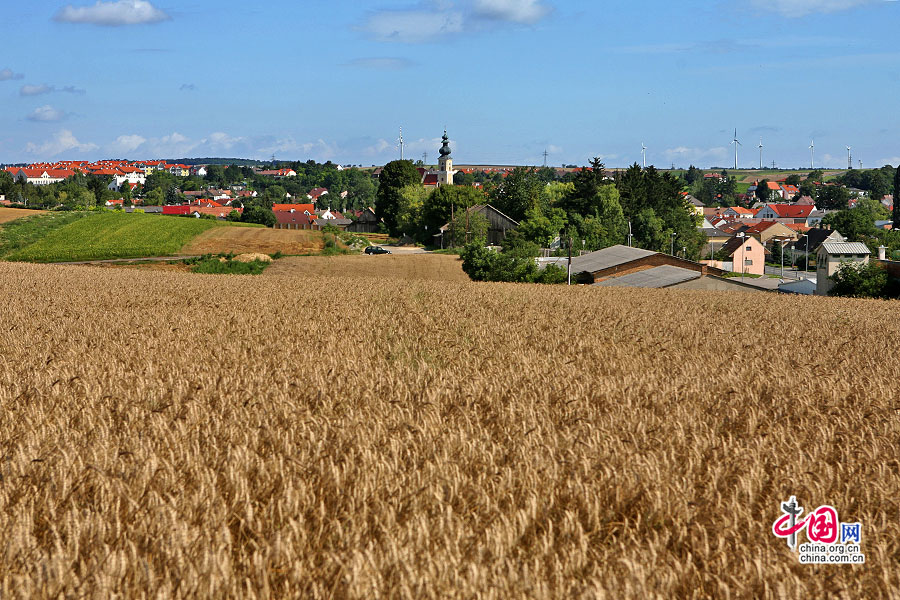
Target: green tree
(833,197)
(815,175)
(258,214)
(468,230)
(125,190)
(542,227)
(215,174)
(517,193)
(762,191)
(155,197)
(896,214)
(859,280)
(693,174)
(394,176)
(650,231)
(409,211)
(853,223)
(447,200)
(792,179)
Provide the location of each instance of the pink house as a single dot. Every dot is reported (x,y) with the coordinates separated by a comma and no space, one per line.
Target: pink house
(747,251)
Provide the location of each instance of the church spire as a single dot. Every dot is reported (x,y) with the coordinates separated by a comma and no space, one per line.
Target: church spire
(445,147)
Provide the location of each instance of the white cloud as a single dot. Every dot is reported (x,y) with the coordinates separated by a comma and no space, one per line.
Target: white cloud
(7,74)
(514,11)
(46,114)
(893,161)
(413,26)
(126,144)
(800,8)
(552,149)
(221,141)
(62,141)
(112,14)
(435,19)
(37,90)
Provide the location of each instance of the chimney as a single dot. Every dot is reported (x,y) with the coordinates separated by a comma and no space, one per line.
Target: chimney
(882,252)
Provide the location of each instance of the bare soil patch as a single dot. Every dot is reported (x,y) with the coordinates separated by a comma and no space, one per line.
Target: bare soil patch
(241,240)
(11,214)
(430,267)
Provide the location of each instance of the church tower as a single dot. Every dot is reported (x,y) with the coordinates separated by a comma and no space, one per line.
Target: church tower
(445,163)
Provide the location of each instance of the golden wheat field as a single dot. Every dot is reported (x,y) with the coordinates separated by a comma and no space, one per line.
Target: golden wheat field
(308,433)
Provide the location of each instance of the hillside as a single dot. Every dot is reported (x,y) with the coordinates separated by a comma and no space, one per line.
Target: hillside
(314,433)
(98,235)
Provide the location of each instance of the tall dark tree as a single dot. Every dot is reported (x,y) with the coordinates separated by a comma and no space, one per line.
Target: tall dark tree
(520,191)
(896,213)
(394,176)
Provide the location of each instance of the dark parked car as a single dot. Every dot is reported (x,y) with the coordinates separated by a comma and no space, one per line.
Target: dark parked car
(376,250)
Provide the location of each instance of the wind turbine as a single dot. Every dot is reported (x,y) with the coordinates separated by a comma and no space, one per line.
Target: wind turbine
(736,144)
(760,153)
(812,155)
(644,154)
(849,159)
(401,143)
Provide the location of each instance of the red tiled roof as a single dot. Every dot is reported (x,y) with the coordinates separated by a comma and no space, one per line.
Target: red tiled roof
(300,208)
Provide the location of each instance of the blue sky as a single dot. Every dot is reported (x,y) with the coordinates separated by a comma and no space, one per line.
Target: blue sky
(508,78)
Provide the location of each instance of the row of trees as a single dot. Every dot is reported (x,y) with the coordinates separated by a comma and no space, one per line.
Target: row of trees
(593,208)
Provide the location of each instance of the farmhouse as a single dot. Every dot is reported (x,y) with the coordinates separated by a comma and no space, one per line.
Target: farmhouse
(366,221)
(498,225)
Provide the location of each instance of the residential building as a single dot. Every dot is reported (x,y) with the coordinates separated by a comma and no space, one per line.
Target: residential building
(830,257)
(744,254)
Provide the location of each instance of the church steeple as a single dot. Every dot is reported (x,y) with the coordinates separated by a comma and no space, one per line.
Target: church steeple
(445,163)
(445,147)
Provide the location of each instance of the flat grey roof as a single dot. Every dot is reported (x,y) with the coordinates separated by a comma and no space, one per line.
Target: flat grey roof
(657,277)
(607,257)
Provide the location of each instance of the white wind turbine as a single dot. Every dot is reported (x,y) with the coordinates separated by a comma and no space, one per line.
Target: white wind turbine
(736,144)
(760,152)
(644,154)
(812,154)
(849,158)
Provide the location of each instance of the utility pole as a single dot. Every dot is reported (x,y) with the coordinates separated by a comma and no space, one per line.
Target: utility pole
(545,158)
(467,227)
(569,268)
(425,157)
(629,234)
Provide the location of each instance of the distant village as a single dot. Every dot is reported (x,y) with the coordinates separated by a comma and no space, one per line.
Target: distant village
(772,224)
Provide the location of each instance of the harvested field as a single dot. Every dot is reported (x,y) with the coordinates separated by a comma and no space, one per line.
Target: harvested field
(423,267)
(319,433)
(11,214)
(240,240)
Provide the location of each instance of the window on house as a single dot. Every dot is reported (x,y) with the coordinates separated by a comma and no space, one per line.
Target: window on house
(748,261)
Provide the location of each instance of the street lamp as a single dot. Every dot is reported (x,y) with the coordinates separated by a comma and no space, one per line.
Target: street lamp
(672,252)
